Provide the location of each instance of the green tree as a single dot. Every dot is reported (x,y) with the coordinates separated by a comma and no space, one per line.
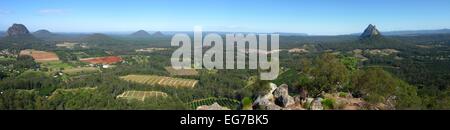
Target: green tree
(374,84)
(377,86)
(329,74)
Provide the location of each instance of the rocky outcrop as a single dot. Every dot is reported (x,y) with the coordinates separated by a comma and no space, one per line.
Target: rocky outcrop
(272,106)
(277,99)
(370,32)
(316,104)
(17,30)
(282,97)
(214,106)
(266,100)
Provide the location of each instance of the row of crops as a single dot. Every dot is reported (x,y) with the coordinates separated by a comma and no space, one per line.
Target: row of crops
(160,80)
(182,72)
(141,95)
(226,102)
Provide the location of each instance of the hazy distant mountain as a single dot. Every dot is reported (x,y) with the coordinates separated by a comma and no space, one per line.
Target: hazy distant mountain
(141,33)
(412,32)
(18,36)
(291,34)
(158,34)
(2,33)
(418,32)
(17,30)
(96,37)
(43,34)
(370,32)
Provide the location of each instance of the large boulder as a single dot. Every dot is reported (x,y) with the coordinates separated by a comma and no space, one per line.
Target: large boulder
(262,101)
(316,105)
(282,97)
(273,87)
(297,99)
(285,101)
(281,91)
(272,106)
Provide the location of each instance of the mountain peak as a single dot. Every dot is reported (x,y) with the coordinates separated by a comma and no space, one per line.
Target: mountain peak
(141,33)
(370,32)
(158,34)
(42,33)
(17,30)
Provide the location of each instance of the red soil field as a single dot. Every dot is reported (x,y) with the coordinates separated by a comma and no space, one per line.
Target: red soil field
(102,60)
(40,56)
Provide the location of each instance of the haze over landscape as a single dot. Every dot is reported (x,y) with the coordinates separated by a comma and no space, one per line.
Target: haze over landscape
(120,55)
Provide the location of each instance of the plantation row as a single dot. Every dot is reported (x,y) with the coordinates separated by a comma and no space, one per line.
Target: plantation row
(141,95)
(229,103)
(160,80)
(183,72)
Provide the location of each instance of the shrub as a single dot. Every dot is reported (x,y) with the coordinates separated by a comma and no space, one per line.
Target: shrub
(307,105)
(343,95)
(247,103)
(328,103)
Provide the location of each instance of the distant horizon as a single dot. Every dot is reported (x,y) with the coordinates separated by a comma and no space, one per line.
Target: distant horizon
(174,31)
(299,16)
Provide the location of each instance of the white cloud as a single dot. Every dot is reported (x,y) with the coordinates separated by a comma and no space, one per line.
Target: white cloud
(51,11)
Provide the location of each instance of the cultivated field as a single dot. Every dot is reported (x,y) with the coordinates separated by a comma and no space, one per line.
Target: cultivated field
(40,56)
(229,103)
(69,45)
(160,80)
(183,72)
(141,95)
(76,71)
(102,60)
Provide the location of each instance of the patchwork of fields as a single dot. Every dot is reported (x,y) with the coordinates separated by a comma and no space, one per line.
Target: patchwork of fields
(160,80)
(141,95)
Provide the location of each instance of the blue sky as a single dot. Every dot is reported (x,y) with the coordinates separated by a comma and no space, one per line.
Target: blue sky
(317,17)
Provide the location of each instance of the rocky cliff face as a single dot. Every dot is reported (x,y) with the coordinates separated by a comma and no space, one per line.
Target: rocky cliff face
(17,30)
(370,32)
